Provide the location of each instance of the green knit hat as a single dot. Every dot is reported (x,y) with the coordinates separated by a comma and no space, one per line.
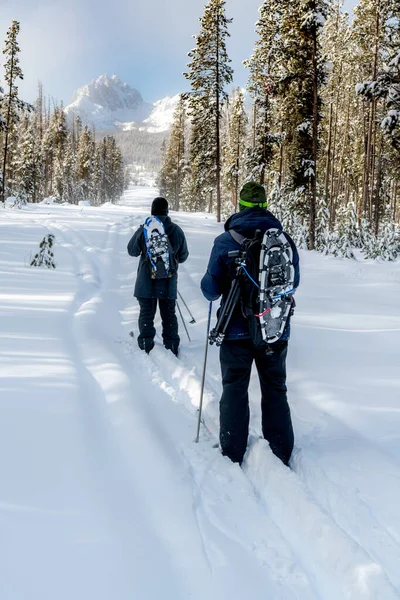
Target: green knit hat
(253,194)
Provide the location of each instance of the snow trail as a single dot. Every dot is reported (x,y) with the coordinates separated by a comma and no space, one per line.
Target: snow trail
(103,487)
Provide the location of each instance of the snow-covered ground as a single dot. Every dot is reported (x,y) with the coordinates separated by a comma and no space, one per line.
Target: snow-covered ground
(104,494)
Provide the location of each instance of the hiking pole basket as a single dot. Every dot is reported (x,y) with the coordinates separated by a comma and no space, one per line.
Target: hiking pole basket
(193,320)
(183,321)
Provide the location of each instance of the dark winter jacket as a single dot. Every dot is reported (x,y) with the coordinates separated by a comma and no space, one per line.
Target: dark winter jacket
(221,268)
(158,288)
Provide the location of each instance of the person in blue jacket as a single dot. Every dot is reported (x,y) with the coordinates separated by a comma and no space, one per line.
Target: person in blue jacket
(237,351)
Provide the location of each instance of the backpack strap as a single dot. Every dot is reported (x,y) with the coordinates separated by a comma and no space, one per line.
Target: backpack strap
(238,237)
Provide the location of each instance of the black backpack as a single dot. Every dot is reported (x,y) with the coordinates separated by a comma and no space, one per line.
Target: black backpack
(266,282)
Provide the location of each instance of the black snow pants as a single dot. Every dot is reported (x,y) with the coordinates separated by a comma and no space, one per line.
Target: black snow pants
(147,332)
(236,361)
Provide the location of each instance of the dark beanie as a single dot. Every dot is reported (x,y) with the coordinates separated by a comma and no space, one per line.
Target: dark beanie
(159,208)
(253,194)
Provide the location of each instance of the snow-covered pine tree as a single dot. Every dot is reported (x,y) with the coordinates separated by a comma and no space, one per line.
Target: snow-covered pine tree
(201,181)
(235,149)
(2,119)
(161,180)
(27,166)
(300,86)
(370,31)
(369,241)
(343,246)
(48,151)
(45,256)
(209,73)
(265,70)
(10,103)
(275,201)
(61,135)
(84,165)
(353,231)
(322,234)
(388,238)
(2,129)
(70,178)
(386,85)
(335,122)
(116,170)
(174,159)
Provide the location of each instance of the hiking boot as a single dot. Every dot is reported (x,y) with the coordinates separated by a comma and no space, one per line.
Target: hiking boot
(146,345)
(174,348)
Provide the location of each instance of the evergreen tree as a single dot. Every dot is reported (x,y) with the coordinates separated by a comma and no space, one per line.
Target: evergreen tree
(174,158)
(265,67)
(301,86)
(322,233)
(2,119)
(116,170)
(70,190)
(209,73)
(45,256)
(84,164)
(202,152)
(369,32)
(60,139)
(334,133)
(234,152)
(10,103)
(26,168)
(161,180)
(389,241)
(386,86)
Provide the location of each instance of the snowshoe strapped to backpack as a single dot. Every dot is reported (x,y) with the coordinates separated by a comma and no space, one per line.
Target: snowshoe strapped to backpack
(267,285)
(159,249)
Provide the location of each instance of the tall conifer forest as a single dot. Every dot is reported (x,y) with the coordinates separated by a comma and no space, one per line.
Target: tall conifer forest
(45,156)
(318,124)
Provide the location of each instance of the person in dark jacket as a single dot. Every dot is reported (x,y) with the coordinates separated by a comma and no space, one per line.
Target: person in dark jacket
(150,291)
(237,351)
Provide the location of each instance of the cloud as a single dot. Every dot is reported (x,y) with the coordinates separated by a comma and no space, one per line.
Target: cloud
(52,40)
(66,43)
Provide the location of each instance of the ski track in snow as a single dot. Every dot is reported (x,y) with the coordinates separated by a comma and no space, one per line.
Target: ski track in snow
(127,506)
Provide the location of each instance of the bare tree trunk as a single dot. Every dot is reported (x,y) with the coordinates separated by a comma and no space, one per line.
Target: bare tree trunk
(367,197)
(254,123)
(8,123)
(373,158)
(328,157)
(378,207)
(313,200)
(332,205)
(236,192)
(344,148)
(40,110)
(217,131)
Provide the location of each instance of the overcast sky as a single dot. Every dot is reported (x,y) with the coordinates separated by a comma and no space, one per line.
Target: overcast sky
(66,43)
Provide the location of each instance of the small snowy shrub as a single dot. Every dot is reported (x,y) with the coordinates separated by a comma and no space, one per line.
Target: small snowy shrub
(45,256)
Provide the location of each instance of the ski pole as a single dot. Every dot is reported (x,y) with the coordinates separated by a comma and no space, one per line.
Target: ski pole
(188,309)
(183,321)
(203,379)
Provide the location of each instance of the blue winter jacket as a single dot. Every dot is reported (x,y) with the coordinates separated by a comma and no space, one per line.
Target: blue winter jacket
(221,268)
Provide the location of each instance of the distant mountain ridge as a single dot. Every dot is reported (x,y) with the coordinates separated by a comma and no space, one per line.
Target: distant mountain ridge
(109,104)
